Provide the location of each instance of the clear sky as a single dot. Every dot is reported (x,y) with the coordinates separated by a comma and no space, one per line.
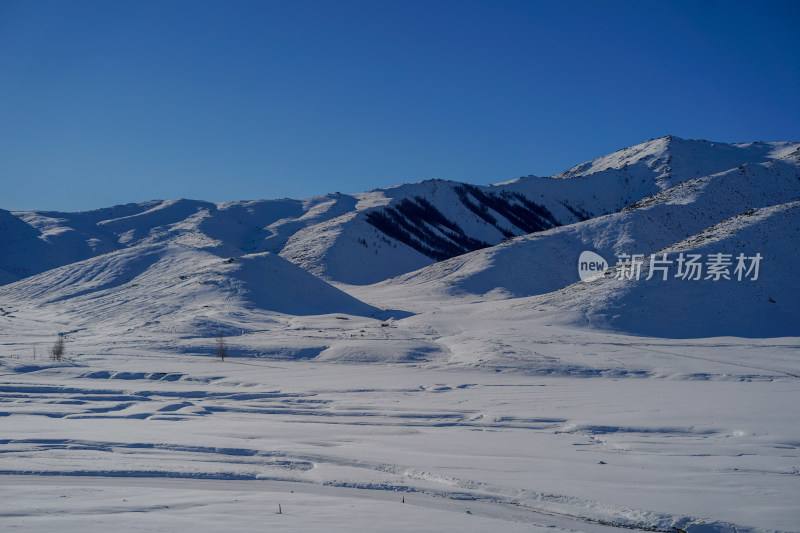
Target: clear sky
(107,102)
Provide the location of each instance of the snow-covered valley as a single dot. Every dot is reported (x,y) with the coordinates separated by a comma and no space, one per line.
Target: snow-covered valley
(700,436)
(413,358)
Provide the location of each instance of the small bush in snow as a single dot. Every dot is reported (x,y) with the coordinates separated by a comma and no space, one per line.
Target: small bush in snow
(222,347)
(58,349)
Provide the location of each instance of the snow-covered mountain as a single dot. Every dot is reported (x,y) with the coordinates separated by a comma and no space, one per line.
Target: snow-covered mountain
(525,398)
(442,219)
(33,242)
(547,261)
(735,305)
(365,238)
(439,239)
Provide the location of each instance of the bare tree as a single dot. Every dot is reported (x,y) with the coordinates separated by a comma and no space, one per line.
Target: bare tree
(222,348)
(58,349)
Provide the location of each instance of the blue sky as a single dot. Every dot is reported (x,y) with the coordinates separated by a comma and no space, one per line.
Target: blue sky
(104,102)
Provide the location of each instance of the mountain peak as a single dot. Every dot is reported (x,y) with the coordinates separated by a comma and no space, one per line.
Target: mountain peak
(670,160)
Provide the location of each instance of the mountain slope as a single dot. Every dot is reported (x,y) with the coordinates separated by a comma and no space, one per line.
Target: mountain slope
(547,261)
(175,289)
(442,219)
(33,242)
(768,306)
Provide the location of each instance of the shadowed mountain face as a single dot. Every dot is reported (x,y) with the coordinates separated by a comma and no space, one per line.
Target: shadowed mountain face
(418,224)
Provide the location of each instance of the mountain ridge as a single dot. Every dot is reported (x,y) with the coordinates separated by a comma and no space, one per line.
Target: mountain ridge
(435,239)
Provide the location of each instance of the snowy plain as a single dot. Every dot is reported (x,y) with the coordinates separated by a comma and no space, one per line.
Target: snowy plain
(489,391)
(643,433)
